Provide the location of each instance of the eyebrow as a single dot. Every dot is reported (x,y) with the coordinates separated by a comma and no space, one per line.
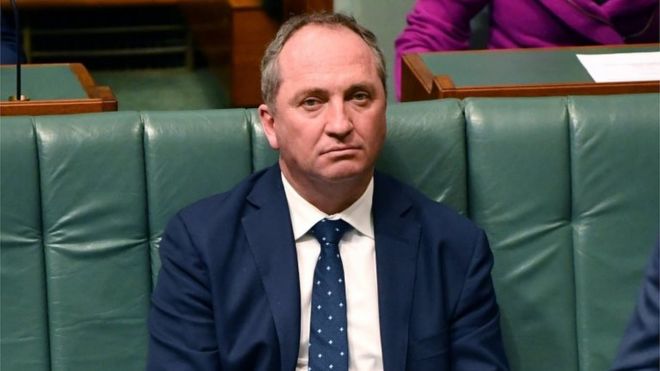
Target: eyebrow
(368,87)
(323,93)
(308,92)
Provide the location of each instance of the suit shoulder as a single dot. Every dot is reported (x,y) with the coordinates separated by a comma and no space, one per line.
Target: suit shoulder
(427,210)
(223,204)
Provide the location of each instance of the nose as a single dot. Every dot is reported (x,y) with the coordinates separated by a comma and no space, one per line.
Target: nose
(338,120)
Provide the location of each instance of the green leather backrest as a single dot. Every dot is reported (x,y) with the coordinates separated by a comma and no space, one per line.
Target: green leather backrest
(567,189)
(84,201)
(425,147)
(615,162)
(519,165)
(95,246)
(188,156)
(23,301)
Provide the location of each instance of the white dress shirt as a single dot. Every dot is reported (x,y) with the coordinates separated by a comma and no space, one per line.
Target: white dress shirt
(358,254)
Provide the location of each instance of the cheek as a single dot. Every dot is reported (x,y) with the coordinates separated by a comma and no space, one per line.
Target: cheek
(373,131)
(297,142)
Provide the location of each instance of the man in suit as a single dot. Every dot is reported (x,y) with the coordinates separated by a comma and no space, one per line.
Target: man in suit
(250,280)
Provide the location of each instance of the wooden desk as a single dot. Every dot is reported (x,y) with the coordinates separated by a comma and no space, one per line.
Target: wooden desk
(511,73)
(53,89)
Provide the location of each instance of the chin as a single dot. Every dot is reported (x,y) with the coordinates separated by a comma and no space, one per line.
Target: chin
(342,173)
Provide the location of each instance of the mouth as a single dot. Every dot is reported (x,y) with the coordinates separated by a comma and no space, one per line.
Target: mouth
(339,150)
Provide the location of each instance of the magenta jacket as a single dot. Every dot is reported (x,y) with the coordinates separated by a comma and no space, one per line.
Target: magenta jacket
(435,25)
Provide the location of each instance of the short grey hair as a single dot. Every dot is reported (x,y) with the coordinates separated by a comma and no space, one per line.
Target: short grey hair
(270,74)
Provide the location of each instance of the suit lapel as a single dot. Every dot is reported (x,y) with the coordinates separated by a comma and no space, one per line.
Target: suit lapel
(397,241)
(268,230)
(269,233)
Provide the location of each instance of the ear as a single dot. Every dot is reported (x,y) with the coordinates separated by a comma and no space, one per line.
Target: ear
(268,124)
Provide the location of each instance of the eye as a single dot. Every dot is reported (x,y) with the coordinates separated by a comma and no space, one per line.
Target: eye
(311,103)
(361,97)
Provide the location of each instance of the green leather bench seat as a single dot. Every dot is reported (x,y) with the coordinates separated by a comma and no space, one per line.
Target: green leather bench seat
(566,188)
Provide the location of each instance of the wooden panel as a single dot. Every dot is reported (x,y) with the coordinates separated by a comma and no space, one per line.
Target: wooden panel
(210,24)
(419,83)
(99,98)
(416,79)
(306,6)
(249,4)
(252,30)
(33,4)
(632,87)
(233,36)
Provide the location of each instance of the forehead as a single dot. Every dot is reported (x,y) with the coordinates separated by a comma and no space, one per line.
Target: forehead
(319,48)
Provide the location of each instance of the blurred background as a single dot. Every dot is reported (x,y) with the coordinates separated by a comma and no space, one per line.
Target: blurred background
(173,54)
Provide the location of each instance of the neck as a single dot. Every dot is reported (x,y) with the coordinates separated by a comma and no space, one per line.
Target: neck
(331,197)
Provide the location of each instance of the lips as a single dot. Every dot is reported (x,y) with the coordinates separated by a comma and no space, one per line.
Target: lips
(340,149)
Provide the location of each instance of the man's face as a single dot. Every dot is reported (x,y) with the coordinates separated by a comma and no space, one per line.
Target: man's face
(329,116)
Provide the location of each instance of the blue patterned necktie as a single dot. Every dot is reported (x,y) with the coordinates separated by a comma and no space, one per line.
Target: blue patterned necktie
(328,341)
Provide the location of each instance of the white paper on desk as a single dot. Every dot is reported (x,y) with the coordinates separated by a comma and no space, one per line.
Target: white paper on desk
(621,67)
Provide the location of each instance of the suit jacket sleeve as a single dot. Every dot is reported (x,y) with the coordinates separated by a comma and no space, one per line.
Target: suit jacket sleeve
(640,347)
(476,340)
(181,328)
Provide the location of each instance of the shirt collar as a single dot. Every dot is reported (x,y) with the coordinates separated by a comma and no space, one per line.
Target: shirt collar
(304,215)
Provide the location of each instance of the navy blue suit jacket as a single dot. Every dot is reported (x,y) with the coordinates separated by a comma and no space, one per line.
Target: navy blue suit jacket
(640,346)
(228,295)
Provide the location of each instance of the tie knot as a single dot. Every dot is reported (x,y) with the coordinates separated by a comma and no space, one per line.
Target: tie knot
(330,231)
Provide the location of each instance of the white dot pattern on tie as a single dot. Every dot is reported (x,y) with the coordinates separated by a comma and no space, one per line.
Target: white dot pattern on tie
(328,348)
